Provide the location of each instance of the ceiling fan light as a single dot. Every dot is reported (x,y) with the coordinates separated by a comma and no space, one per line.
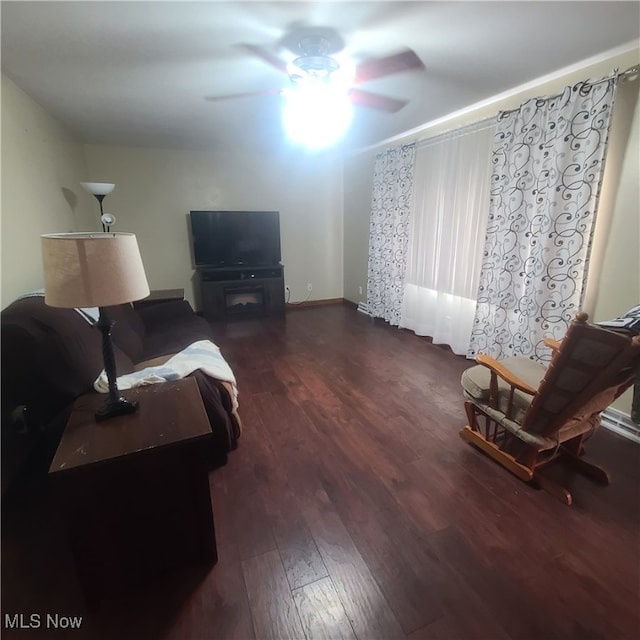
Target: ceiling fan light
(320,65)
(316,115)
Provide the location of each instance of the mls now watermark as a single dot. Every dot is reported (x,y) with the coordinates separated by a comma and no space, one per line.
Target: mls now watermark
(40,621)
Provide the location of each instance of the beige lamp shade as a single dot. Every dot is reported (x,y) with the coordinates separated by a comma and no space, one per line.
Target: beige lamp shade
(92,269)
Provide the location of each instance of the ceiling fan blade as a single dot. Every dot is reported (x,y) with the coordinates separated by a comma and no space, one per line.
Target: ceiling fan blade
(247,94)
(267,56)
(380,67)
(376,101)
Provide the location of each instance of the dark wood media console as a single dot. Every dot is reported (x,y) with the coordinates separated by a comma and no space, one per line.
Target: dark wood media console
(242,292)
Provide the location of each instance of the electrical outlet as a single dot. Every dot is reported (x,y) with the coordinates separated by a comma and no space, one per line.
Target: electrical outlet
(309,287)
(360,290)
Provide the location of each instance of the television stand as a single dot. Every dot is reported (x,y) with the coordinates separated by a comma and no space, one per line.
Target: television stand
(235,293)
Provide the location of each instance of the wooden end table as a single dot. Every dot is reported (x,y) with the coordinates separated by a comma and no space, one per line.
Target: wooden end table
(134,490)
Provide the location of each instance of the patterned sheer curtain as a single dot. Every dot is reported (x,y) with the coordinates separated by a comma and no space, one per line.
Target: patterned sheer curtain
(451,206)
(388,232)
(548,160)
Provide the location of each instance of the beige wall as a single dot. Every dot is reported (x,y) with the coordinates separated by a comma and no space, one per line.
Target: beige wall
(618,279)
(617,273)
(156,188)
(42,166)
(358,172)
(619,276)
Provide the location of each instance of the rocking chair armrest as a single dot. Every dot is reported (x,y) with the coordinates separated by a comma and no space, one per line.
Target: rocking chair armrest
(552,344)
(511,379)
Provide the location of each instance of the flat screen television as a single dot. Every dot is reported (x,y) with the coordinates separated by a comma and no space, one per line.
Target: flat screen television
(234,238)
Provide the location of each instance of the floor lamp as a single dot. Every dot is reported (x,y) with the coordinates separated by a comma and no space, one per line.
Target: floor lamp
(100,190)
(95,270)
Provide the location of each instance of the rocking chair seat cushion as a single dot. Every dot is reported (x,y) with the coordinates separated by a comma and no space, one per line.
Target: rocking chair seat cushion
(477,379)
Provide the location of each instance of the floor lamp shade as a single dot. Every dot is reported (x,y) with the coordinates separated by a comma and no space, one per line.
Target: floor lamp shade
(99,188)
(92,269)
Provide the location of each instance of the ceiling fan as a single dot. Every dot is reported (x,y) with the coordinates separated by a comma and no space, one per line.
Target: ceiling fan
(314,62)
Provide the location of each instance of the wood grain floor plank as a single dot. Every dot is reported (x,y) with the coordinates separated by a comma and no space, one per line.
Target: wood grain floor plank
(366,607)
(300,557)
(322,614)
(566,574)
(410,581)
(273,610)
(468,625)
(218,607)
(507,600)
(252,525)
(297,445)
(347,474)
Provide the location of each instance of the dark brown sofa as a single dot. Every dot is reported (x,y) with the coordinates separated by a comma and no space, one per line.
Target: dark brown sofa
(50,356)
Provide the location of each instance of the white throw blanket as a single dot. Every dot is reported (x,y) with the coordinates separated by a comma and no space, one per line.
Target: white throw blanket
(203,355)
(90,314)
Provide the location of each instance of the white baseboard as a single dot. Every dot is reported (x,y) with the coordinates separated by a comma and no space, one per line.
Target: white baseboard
(363,307)
(621,423)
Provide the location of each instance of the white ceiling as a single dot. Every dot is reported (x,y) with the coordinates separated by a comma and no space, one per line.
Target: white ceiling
(137,73)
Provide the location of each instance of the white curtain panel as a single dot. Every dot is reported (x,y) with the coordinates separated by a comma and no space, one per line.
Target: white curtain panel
(451,206)
(389,232)
(548,160)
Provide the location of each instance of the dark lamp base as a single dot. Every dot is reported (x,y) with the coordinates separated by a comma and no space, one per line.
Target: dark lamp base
(120,407)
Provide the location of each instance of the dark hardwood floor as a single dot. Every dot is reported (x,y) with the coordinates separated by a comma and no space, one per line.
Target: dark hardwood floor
(352,509)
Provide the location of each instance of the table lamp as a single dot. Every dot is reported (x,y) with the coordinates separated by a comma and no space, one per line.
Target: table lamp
(95,270)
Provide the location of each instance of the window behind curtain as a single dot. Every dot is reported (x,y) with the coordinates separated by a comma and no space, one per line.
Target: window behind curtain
(451,204)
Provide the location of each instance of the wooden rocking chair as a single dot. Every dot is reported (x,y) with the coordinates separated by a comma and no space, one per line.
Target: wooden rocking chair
(524,415)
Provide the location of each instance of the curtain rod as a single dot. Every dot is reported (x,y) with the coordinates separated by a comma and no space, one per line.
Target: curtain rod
(423,129)
(478,125)
(624,75)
